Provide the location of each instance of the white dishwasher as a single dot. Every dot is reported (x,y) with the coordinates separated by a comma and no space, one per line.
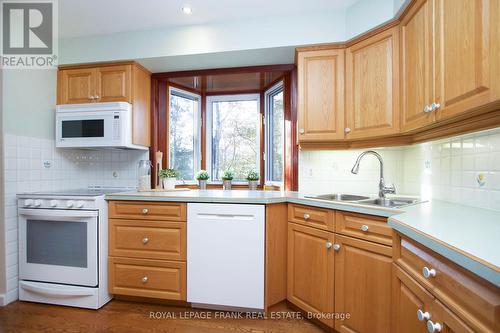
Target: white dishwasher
(225,255)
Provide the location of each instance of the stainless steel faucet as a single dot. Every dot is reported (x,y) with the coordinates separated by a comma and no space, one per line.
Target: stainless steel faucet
(382,189)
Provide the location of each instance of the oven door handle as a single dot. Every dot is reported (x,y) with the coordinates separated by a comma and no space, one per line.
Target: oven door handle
(67,214)
(56,292)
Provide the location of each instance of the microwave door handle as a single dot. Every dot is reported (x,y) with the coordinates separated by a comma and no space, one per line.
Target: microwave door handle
(67,214)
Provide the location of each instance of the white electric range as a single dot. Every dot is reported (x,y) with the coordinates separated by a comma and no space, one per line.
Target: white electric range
(63,247)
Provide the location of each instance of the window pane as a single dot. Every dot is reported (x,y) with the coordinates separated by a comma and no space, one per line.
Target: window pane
(234,138)
(182,135)
(277,137)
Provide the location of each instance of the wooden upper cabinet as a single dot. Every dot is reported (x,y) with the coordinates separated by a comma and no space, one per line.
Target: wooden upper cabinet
(363,286)
(117,82)
(76,86)
(467,54)
(310,280)
(416,66)
(320,95)
(372,86)
(114,84)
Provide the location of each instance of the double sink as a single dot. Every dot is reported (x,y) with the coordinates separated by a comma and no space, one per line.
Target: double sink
(382,202)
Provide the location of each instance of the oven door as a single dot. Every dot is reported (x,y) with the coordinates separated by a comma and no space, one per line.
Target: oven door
(58,246)
(89,129)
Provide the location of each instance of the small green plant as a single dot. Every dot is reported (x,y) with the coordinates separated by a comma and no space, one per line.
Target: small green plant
(228,175)
(252,176)
(168,173)
(202,175)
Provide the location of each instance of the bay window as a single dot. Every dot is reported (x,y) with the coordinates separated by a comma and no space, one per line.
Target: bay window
(233,135)
(184,133)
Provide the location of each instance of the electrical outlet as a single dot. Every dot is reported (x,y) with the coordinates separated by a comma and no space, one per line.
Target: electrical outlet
(47,164)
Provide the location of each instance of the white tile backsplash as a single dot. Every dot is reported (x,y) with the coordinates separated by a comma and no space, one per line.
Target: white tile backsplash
(444,169)
(33,164)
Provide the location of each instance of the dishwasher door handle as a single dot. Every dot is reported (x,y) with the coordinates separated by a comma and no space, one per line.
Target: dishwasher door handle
(225,217)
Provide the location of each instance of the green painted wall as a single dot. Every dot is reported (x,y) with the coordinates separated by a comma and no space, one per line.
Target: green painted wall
(29,99)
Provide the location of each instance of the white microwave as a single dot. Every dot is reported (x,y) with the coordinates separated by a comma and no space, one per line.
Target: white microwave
(95,125)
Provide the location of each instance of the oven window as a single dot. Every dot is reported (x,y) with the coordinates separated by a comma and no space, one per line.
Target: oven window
(56,243)
(93,128)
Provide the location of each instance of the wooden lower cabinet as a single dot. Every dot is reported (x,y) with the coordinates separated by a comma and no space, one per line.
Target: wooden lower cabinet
(408,297)
(363,285)
(310,269)
(417,311)
(147,278)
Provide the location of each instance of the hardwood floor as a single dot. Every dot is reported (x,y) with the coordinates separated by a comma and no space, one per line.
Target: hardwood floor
(123,316)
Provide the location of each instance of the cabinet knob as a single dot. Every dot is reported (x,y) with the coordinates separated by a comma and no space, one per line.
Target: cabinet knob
(145,279)
(364,228)
(435,106)
(97,97)
(433,327)
(145,211)
(421,315)
(307,216)
(301,131)
(347,130)
(428,272)
(91,97)
(427,109)
(145,240)
(329,245)
(336,247)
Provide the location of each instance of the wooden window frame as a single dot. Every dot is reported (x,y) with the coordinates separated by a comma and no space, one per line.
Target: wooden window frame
(160,109)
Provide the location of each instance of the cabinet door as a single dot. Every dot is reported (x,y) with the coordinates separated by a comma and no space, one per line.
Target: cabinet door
(416,66)
(310,270)
(372,86)
(321,95)
(114,84)
(466,57)
(444,321)
(408,297)
(362,285)
(77,85)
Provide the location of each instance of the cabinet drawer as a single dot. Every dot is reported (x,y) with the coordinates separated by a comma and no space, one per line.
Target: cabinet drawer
(372,228)
(165,211)
(311,216)
(147,239)
(147,278)
(472,298)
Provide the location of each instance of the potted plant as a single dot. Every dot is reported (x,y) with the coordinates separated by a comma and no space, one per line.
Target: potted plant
(227,177)
(169,178)
(202,177)
(253,180)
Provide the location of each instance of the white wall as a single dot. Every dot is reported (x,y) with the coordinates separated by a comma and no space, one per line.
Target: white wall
(367,14)
(247,34)
(2,195)
(444,169)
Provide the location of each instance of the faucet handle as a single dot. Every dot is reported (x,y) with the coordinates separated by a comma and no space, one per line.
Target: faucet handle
(389,189)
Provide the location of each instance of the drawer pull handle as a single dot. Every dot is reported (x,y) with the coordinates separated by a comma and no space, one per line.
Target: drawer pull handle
(433,327)
(145,240)
(306,216)
(145,211)
(329,245)
(364,228)
(421,315)
(145,279)
(336,247)
(428,272)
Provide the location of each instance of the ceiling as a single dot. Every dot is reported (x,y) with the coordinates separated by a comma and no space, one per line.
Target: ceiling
(97,17)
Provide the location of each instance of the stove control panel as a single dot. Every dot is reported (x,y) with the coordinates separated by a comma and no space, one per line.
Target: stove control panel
(57,203)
